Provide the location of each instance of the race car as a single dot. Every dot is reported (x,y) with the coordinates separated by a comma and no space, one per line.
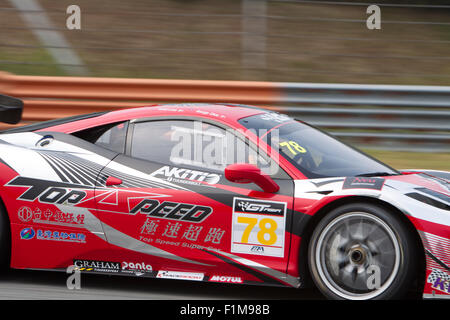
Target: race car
(218,193)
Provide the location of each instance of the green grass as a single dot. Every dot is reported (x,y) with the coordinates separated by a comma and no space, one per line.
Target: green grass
(412,160)
(44,62)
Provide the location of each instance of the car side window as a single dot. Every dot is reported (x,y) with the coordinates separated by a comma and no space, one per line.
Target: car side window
(153,141)
(111,136)
(193,144)
(114,138)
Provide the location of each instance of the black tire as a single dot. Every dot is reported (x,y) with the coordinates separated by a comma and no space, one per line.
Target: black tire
(356,244)
(5,238)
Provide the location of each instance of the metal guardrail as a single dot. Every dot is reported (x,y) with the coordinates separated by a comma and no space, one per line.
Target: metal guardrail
(376,95)
(379,119)
(411,118)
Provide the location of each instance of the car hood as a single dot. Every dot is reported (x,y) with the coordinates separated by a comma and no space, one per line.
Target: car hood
(411,192)
(422,180)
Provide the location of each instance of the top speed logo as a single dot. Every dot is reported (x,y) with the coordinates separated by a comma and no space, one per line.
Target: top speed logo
(172,210)
(62,195)
(48,191)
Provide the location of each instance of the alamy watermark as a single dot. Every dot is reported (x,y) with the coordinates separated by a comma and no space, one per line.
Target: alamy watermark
(213,148)
(374,279)
(373,22)
(73,21)
(74,280)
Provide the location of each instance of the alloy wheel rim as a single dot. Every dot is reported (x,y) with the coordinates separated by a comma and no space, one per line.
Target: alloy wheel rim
(352,251)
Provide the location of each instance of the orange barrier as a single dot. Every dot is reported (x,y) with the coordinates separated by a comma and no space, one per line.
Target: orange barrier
(48,98)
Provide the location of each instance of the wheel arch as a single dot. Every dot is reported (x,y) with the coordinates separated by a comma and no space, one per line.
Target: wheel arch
(322,212)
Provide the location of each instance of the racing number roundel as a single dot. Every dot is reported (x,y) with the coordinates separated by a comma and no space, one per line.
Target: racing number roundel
(258,227)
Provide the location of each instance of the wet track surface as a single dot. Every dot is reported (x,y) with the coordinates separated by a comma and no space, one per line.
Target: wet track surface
(27,284)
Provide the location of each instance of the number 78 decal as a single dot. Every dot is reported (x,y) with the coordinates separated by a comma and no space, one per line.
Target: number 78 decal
(258,227)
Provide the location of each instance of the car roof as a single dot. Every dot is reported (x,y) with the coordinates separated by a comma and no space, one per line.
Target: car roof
(51,123)
(227,113)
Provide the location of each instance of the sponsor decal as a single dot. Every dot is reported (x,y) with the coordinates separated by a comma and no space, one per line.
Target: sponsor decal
(60,218)
(257,249)
(439,280)
(170,109)
(258,227)
(149,227)
(188,176)
(176,230)
(97,266)
(226,279)
(187,245)
(137,269)
(60,236)
(45,193)
(172,210)
(57,217)
(212,114)
(276,117)
(27,233)
(25,214)
(214,235)
(125,267)
(62,195)
(246,206)
(363,183)
(180,275)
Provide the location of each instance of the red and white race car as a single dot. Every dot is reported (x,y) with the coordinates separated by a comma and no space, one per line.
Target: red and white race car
(220,193)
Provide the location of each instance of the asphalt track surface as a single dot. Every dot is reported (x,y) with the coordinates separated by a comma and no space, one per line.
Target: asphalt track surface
(28,284)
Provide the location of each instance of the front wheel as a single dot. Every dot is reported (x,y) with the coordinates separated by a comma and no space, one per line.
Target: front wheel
(362,251)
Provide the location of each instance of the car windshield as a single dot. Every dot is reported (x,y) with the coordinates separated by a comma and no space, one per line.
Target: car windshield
(315,153)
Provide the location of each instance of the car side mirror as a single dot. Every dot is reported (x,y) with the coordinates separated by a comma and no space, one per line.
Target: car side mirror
(248,173)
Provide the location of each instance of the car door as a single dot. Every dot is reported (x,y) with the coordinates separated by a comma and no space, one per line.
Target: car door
(55,176)
(170,207)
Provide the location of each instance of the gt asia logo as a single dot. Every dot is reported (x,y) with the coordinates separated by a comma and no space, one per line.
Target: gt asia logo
(226,279)
(258,206)
(174,173)
(247,206)
(45,192)
(172,210)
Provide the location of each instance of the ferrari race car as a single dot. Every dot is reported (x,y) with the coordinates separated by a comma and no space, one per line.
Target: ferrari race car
(220,193)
